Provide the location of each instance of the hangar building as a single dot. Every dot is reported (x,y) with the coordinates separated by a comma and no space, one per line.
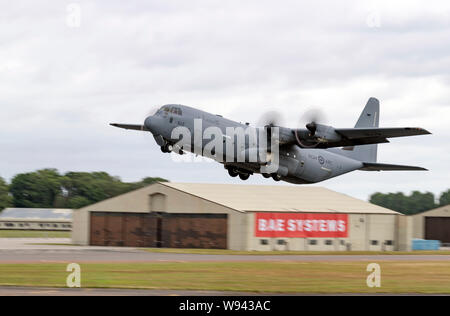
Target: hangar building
(240,217)
(36,219)
(433,224)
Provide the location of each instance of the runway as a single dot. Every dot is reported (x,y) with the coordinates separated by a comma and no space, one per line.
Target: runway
(40,251)
(26,250)
(89,256)
(51,291)
(17,250)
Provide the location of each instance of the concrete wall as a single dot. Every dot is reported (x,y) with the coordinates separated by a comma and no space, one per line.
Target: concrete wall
(404,233)
(419,220)
(160,198)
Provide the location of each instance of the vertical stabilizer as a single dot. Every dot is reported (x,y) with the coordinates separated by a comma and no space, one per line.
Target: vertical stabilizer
(370,117)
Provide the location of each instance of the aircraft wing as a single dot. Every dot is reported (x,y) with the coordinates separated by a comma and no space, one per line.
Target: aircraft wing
(136,127)
(372,166)
(360,133)
(365,136)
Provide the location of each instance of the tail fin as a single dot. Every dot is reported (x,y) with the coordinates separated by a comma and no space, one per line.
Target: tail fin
(370,117)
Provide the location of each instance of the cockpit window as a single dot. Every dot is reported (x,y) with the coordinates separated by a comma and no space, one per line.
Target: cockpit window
(176,110)
(170,109)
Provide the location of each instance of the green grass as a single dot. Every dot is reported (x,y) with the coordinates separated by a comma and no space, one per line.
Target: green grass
(271,277)
(34,234)
(259,253)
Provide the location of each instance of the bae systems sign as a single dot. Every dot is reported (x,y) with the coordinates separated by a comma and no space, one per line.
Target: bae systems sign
(301,225)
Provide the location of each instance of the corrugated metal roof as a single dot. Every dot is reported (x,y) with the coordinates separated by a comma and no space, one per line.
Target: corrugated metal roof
(279,198)
(36,214)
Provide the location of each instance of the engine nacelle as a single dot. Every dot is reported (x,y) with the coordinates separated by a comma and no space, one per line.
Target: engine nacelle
(283,137)
(326,133)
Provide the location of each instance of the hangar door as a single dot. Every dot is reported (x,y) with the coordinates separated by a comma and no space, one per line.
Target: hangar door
(159,230)
(437,228)
(194,231)
(123,229)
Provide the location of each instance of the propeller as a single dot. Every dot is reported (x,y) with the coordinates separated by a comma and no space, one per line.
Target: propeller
(153,109)
(309,119)
(148,113)
(270,118)
(304,137)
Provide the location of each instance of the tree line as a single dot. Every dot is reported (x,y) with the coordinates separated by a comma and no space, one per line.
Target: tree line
(47,188)
(414,203)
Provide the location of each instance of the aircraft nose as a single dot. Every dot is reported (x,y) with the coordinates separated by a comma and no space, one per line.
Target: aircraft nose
(148,123)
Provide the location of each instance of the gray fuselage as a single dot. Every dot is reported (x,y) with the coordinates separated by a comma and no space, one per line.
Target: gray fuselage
(296,165)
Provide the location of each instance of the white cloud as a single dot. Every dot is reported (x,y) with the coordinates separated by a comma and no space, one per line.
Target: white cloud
(61,86)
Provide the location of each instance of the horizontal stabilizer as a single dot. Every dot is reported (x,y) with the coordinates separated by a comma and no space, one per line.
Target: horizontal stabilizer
(372,166)
(136,127)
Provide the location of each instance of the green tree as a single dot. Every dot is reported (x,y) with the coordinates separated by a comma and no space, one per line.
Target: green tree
(92,187)
(444,199)
(47,188)
(415,203)
(78,202)
(83,188)
(5,198)
(145,182)
(419,202)
(36,189)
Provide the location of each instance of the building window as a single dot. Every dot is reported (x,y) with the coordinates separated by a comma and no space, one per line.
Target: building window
(374,242)
(389,242)
(281,242)
(328,242)
(312,242)
(342,242)
(264,242)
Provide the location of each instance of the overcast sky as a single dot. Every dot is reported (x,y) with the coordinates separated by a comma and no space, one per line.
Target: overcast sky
(64,76)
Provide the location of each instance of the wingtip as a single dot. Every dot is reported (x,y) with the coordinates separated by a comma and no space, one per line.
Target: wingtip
(424,131)
(421,169)
(420,130)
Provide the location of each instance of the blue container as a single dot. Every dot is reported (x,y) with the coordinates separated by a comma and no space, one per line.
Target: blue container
(423,244)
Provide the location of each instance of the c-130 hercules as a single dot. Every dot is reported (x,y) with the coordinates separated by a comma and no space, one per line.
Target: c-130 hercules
(300,156)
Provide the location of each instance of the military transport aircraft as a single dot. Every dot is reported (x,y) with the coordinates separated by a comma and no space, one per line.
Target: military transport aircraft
(296,155)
